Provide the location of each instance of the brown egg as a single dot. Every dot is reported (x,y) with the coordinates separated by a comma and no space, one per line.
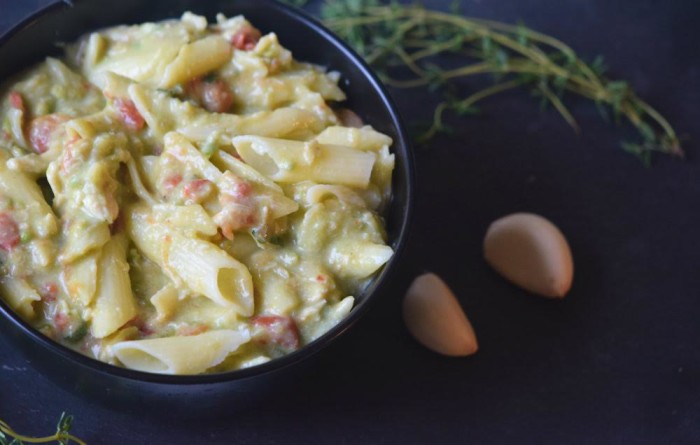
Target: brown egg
(434,317)
(531,252)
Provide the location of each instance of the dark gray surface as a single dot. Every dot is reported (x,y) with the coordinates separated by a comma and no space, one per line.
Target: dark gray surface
(616,362)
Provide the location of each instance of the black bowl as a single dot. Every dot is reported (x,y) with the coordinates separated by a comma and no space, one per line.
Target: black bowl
(37,36)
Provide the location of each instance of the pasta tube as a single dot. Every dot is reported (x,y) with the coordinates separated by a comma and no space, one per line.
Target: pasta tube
(181,354)
(195,59)
(19,295)
(80,278)
(114,302)
(292,161)
(358,259)
(365,138)
(189,261)
(27,196)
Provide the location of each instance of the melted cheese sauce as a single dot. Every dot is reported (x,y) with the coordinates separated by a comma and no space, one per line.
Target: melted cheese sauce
(120,166)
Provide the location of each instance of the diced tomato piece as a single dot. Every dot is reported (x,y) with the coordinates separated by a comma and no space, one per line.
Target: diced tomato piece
(234,217)
(140,324)
(68,158)
(278,330)
(9,232)
(71,155)
(197,189)
(60,321)
(246,38)
(17,101)
(242,190)
(41,130)
(129,114)
(214,95)
(235,190)
(227,231)
(217,96)
(49,292)
(171,182)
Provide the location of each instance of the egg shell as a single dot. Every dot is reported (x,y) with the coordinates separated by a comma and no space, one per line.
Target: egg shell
(434,317)
(531,252)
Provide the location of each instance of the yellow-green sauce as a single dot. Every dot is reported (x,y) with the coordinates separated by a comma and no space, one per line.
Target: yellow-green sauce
(180,197)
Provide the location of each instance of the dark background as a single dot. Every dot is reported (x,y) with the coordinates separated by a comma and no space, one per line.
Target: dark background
(616,362)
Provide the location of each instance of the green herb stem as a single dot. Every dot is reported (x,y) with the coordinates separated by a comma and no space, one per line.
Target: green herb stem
(62,435)
(404,44)
(466,104)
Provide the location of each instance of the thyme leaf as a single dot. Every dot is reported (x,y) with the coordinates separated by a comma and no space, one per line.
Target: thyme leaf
(62,436)
(410,46)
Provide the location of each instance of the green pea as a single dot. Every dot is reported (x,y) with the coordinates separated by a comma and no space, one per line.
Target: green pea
(210,147)
(25,237)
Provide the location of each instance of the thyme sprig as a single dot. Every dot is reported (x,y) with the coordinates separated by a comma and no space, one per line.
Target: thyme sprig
(410,46)
(8,436)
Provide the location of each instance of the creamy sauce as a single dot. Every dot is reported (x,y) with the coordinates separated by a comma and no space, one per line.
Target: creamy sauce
(180,197)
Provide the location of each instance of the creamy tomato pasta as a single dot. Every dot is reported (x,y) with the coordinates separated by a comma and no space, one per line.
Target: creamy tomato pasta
(181,197)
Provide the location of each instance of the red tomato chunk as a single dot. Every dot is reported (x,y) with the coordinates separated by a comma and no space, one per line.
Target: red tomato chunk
(129,114)
(171,182)
(49,292)
(16,101)
(42,128)
(197,189)
(241,190)
(60,321)
(217,96)
(142,325)
(9,232)
(214,96)
(246,38)
(278,330)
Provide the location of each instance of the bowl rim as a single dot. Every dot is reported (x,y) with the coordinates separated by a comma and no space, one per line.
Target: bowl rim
(276,364)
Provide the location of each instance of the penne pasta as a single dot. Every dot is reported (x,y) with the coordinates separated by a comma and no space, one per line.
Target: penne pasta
(358,259)
(225,161)
(164,114)
(181,354)
(143,62)
(165,301)
(293,161)
(80,278)
(365,138)
(114,301)
(195,59)
(27,197)
(317,193)
(191,262)
(180,197)
(285,122)
(277,289)
(82,238)
(19,295)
